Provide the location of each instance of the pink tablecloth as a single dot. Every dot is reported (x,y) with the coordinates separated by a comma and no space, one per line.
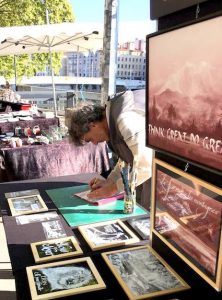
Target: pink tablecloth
(42,122)
(57,159)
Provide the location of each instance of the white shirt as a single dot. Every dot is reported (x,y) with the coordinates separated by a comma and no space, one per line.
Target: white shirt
(131,125)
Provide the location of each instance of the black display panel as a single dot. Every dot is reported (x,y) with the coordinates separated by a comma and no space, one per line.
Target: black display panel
(159,8)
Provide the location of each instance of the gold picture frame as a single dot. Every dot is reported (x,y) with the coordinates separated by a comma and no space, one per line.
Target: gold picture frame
(107,234)
(26,205)
(62,279)
(142,273)
(55,249)
(191,210)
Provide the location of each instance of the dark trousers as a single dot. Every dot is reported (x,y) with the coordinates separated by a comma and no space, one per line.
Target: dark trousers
(143,194)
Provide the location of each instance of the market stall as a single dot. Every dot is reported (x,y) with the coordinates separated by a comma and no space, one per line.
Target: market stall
(119,280)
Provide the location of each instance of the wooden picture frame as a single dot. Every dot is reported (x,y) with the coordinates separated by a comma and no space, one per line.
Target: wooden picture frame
(184,119)
(186,216)
(107,234)
(141,226)
(62,279)
(55,249)
(142,273)
(22,193)
(26,205)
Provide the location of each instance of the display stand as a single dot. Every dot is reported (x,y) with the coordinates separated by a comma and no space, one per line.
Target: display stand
(186,183)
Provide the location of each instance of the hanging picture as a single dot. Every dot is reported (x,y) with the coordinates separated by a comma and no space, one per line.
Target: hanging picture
(142,273)
(62,279)
(187,215)
(141,226)
(55,249)
(26,205)
(107,234)
(184,92)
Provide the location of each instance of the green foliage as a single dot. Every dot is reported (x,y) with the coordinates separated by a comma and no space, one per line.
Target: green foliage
(32,12)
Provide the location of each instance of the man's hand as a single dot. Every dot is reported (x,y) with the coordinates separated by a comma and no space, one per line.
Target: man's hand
(96,183)
(104,189)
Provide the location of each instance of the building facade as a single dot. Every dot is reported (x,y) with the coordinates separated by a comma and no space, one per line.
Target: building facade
(131,62)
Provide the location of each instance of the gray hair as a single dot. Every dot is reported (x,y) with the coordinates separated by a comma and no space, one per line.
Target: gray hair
(81,117)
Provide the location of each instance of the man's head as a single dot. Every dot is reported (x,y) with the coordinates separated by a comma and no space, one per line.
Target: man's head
(88,124)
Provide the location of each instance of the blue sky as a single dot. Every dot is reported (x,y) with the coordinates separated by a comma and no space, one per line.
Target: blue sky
(134,19)
(93,10)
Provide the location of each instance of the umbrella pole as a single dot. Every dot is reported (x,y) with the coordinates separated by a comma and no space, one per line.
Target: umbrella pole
(52,72)
(53,83)
(77,75)
(15,73)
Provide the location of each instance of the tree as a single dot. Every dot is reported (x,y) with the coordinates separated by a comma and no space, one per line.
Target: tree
(32,12)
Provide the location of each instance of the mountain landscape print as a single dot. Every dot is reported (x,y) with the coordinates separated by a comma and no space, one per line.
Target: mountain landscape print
(184,115)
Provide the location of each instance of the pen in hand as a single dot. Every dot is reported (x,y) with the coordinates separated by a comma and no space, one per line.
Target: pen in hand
(95,184)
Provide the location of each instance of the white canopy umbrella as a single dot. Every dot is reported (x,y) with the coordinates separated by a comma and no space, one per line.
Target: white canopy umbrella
(64,37)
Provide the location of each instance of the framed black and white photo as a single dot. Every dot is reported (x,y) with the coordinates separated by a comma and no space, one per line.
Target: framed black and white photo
(26,205)
(62,279)
(22,193)
(55,249)
(35,218)
(142,273)
(187,214)
(141,226)
(53,229)
(107,234)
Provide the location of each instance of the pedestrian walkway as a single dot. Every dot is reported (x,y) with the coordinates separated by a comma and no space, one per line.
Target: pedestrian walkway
(7,282)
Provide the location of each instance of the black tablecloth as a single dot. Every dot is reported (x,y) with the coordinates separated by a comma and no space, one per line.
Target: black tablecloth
(21,256)
(20,252)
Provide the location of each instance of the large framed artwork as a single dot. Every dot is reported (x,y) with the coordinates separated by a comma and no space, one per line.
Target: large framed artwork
(62,279)
(26,205)
(55,249)
(187,216)
(142,273)
(107,234)
(184,92)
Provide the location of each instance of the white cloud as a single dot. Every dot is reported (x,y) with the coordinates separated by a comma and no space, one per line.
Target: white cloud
(127,31)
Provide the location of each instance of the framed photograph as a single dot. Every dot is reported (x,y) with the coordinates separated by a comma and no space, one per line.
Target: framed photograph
(107,234)
(62,279)
(35,218)
(55,249)
(184,92)
(53,229)
(141,226)
(142,273)
(22,193)
(26,205)
(187,217)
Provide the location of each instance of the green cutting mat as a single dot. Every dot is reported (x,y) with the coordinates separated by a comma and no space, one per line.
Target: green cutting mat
(78,212)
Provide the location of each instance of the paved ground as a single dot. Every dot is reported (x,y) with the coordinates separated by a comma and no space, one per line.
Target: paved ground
(7,282)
